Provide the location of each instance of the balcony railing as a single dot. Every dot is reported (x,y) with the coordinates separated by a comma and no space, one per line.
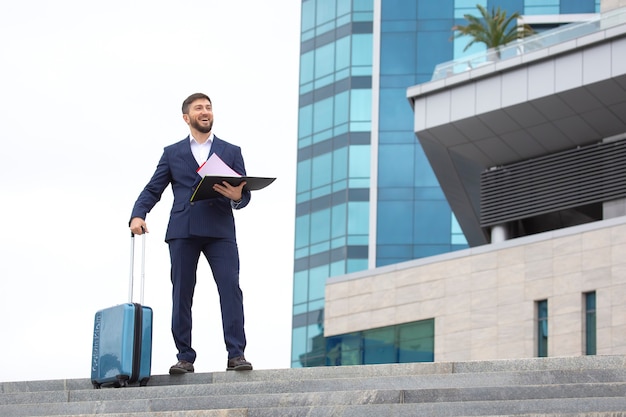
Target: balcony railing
(543,40)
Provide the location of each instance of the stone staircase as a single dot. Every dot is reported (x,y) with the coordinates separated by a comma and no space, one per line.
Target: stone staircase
(557,387)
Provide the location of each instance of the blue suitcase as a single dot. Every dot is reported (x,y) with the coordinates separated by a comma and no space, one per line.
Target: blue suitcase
(122,339)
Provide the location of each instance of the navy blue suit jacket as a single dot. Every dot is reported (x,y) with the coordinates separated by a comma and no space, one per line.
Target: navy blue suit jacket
(205,218)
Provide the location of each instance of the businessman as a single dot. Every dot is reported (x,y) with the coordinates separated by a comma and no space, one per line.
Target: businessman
(203,227)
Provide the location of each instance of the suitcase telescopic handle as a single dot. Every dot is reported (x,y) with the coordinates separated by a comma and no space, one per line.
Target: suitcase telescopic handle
(131,277)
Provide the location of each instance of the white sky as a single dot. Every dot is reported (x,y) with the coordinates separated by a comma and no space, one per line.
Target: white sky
(90,93)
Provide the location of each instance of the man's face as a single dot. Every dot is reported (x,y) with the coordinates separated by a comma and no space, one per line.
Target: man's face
(200,116)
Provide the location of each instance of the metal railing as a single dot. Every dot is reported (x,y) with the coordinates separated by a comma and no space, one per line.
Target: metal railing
(532,43)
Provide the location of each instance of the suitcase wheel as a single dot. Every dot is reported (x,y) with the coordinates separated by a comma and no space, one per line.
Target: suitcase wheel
(122,381)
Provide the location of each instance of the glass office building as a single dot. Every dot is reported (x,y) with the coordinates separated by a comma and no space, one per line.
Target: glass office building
(366,196)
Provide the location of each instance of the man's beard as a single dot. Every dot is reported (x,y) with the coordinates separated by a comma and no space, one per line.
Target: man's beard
(201,128)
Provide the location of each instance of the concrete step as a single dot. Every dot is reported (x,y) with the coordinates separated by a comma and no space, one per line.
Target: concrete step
(244,413)
(513,387)
(601,407)
(194,413)
(608,362)
(418,388)
(587,406)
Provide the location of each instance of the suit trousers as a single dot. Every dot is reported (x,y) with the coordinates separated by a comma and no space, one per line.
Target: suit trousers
(223,257)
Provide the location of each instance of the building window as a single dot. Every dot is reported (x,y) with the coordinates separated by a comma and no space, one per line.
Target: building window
(590,323)
(409,342)
(542,328)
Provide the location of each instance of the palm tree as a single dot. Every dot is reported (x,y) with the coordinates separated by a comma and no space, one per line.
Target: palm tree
(494,29)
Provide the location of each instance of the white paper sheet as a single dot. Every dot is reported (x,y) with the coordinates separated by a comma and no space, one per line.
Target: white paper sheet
(215,166)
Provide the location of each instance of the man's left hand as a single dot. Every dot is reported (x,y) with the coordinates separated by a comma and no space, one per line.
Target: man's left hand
(228,191)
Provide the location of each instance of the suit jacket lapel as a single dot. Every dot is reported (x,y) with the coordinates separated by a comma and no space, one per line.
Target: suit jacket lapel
(217,146)
(187,155)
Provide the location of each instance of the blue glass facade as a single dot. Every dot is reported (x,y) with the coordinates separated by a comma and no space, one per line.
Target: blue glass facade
(366,195)
(334,154)
(414,219)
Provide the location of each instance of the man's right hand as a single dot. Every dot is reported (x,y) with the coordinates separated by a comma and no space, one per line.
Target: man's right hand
(138,226)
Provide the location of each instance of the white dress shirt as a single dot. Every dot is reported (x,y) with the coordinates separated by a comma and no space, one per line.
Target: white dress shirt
(201,151)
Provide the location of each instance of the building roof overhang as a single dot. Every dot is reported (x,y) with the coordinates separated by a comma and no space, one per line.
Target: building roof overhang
(534,104)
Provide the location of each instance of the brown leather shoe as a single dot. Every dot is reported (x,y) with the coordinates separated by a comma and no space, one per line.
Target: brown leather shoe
(181,367)
(239,364)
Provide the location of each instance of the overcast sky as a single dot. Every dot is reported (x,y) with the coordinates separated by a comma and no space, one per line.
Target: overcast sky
(90,93)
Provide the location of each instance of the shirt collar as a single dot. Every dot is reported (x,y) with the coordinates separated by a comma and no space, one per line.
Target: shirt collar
(209,141)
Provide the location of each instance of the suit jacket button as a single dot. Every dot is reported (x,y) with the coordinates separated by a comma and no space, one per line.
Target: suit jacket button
(193,203)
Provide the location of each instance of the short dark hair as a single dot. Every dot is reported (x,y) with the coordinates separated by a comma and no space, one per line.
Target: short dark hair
(191,99)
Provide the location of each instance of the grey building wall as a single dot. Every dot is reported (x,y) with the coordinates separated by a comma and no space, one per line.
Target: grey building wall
(483,299)
(607,5)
